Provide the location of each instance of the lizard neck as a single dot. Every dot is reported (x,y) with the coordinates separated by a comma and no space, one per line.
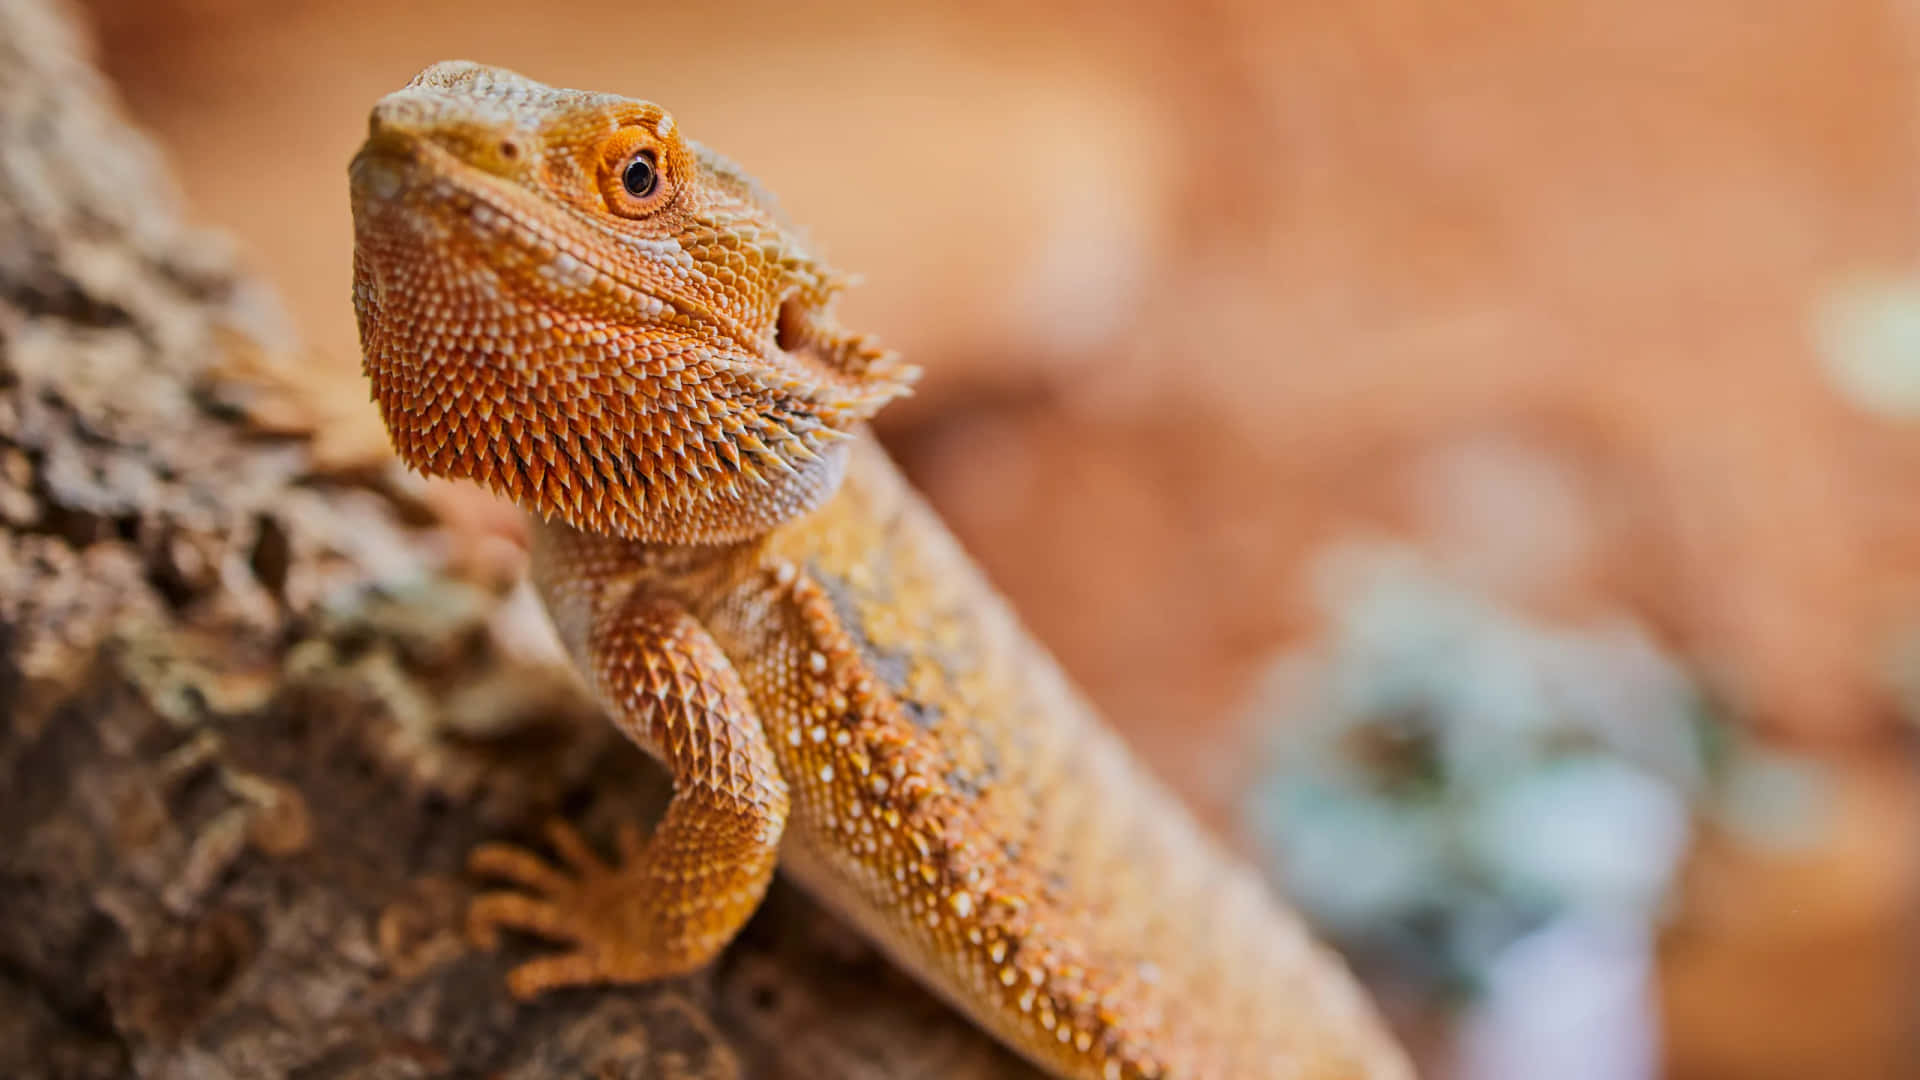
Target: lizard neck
(578,571)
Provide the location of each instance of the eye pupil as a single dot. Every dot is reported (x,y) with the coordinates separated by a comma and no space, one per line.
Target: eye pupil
(640,177)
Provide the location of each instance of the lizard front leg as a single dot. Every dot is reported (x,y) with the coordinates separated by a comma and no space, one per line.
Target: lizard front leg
(673,901)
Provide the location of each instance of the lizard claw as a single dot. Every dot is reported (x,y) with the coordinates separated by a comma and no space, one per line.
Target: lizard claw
(577,898)
(573,849)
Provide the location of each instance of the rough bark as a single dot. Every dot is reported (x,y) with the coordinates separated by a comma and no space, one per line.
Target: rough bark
(252,715)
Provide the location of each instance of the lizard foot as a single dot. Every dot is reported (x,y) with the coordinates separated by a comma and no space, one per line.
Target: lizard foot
(603,910)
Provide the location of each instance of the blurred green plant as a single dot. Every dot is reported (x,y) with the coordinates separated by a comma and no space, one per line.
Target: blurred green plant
(1446,777)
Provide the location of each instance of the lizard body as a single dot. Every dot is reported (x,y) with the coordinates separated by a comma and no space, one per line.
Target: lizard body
(562,297)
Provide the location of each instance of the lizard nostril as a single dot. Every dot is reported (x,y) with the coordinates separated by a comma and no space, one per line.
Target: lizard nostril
(509,149)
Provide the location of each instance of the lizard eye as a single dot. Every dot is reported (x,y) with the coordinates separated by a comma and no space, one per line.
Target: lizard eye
(636,173)
(641,176)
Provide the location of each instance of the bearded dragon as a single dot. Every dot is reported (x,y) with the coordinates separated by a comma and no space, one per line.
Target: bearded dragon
(562,297)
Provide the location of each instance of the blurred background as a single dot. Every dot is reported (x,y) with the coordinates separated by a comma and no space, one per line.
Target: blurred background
(1472,450)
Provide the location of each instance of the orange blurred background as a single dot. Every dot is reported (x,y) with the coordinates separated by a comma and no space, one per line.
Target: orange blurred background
(1611,310)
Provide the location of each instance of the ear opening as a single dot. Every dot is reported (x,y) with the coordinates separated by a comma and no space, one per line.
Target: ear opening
(790,328)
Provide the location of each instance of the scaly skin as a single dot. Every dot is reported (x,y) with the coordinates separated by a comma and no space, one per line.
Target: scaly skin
(761,602)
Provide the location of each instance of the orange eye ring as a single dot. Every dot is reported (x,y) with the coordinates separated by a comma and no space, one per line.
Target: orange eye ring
(635,178)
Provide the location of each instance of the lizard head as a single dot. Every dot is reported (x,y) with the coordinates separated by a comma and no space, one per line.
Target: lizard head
(564,298)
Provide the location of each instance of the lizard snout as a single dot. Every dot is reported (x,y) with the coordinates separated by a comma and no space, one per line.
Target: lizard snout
(377,172)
